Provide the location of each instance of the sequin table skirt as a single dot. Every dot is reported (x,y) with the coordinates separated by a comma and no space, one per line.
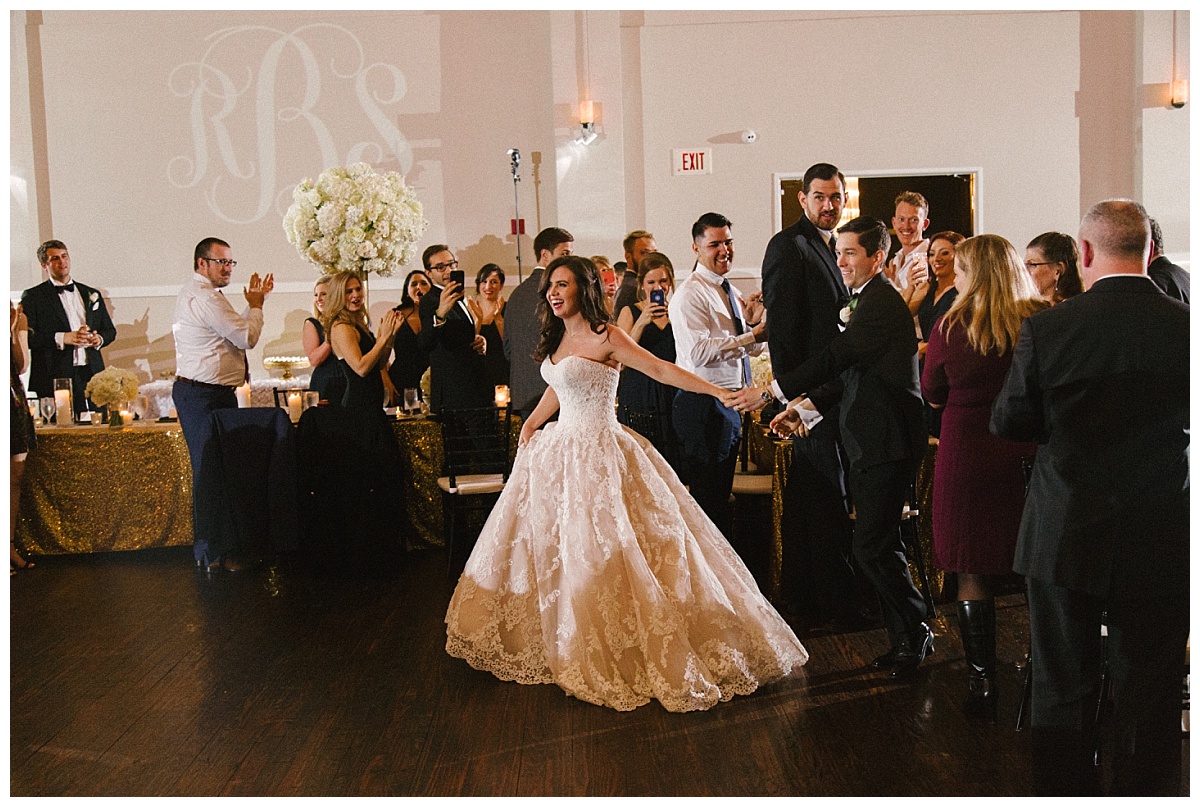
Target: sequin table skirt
(96,489)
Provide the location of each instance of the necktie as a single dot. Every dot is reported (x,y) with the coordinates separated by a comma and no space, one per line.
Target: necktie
(833,244)
(67,289)
(739,328)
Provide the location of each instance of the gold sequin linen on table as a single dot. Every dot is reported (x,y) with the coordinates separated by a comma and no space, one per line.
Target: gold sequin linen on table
(95,489)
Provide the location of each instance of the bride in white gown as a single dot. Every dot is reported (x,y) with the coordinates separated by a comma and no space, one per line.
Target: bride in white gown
(596,570)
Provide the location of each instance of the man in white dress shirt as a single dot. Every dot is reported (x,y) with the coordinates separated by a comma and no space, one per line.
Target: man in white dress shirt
(909,267)
(716,332)
(211,340)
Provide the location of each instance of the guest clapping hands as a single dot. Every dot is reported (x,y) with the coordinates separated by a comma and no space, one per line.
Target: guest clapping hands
(362,356)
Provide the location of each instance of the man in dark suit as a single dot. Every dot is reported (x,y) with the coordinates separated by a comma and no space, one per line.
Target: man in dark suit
(458,374)
(871,369)
(1101,381)
(637,245)
(522,330)
(803,292)
(1174,280)
(68,324)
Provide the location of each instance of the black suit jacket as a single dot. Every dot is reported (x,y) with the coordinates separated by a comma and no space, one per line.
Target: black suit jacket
(1101,381)
(803,292)
(522,331)
(47,317)
(880,398)
(1174,280)
(458,376)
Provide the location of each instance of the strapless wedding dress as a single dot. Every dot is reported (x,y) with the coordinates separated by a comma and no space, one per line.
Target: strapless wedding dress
(597,571)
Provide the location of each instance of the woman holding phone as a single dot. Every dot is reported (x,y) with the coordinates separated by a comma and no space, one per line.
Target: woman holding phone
(644,404)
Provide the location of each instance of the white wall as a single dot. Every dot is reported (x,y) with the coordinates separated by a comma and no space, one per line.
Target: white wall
(134,167)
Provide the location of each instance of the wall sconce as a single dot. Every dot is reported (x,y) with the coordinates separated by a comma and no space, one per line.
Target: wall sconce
(1179,93)
(587,124)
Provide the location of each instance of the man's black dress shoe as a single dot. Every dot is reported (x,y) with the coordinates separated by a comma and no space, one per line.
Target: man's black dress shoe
(888,659)
(911,653)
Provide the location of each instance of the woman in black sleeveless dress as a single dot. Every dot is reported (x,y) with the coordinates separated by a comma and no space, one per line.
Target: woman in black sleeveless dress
(20,432)
(316,346)
(362,359)
(488,309)
(644,404)
(410,360)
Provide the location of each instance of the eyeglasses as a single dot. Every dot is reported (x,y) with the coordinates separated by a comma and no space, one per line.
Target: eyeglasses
(223,262)
(441,267)
(1030,264)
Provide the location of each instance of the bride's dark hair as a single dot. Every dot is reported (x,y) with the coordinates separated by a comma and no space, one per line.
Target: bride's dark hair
(591,303)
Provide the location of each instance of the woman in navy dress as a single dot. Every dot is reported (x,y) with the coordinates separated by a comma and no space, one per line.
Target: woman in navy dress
(978,483)
(410,360)
(316,346)
(644,404)
(362,358)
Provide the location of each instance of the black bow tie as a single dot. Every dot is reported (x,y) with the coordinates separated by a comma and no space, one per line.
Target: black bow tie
(67,289)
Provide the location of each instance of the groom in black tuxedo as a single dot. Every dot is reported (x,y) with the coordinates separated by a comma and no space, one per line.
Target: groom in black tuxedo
(1101,381)
(803,292)
(458,374)
(870,369)
(68,324)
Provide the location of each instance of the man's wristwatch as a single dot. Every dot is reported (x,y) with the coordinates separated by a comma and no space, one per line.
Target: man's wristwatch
(766,397)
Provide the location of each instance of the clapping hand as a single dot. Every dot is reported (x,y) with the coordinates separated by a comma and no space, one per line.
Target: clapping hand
(754,309)
(258,289)
(389,323)
(479,344)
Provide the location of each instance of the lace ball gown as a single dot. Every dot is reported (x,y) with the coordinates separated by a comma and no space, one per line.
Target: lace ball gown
(597,571)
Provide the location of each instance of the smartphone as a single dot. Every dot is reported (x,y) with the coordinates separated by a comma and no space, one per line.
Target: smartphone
(658,297)
(458,276)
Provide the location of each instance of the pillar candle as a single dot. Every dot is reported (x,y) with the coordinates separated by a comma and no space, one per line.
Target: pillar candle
(63,415)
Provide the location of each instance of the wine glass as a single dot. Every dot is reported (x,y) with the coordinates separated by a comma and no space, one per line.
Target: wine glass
(48,409)
(412,400)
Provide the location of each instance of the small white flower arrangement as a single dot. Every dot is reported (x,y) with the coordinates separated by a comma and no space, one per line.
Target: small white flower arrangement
(94,299)
(352,219)
(111,386)
(844,314)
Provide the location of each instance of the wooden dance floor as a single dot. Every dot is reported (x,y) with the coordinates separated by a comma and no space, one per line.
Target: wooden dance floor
(131,675)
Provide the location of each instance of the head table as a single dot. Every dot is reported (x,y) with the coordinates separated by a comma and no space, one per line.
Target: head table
(95,489)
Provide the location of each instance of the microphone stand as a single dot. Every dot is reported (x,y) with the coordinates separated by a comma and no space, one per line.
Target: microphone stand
(516,162)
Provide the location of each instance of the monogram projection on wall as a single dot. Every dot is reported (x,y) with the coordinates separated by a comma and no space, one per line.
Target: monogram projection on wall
(266,107)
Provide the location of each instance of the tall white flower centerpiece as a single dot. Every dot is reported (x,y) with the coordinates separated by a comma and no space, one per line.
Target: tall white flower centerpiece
(352,219)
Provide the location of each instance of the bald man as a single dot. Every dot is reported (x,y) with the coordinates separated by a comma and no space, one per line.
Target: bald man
(1101,381)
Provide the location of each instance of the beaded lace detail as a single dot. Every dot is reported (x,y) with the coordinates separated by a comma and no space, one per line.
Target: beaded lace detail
(597,571)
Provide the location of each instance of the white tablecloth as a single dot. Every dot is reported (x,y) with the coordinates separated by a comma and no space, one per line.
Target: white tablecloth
(262,392)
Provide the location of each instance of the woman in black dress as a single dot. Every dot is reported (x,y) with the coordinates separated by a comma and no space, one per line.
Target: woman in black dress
(644,404)
(410,360)
(488,309)
(20,431)
(938,296)
(361,357)
(316,346)
(1052,260)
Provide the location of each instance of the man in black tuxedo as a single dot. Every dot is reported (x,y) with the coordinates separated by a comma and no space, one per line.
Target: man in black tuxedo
(522,330)
(803,293)
(1174,280)
(871,369)
(458,374)
(68,324)
(1101,381)
(637,245)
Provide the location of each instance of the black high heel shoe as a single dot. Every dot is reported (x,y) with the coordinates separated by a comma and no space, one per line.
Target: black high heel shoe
(20,563)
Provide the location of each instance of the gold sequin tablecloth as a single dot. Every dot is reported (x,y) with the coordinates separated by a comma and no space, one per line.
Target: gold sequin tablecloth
(96,489)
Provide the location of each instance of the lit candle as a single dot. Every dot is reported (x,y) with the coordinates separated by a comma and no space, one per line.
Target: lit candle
(295,405)
(501,395)
(243,396)
(63,415)
(127,413)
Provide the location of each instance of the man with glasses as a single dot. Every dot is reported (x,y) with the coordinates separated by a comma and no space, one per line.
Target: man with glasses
(458,373)
(68,324)
(211,340)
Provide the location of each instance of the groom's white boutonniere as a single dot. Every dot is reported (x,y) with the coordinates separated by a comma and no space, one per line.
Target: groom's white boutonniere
(94,299)
(844,314)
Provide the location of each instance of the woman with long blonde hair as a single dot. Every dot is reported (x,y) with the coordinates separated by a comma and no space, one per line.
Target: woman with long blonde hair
(978,483)
(361,356)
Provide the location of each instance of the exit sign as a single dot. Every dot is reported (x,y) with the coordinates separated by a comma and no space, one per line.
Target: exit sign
(691,161)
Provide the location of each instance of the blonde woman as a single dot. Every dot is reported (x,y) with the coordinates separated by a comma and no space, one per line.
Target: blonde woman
(362,358)
(978,485)
(316,346)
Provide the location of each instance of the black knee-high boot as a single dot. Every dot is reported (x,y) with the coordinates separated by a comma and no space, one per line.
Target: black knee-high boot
(977,623)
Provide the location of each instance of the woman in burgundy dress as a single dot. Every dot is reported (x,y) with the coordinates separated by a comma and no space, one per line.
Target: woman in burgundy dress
(978,485)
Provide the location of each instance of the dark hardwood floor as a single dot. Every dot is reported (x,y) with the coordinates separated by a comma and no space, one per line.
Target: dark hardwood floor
(132,675)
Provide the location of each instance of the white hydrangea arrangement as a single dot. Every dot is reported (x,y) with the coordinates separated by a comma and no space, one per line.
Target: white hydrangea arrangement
(111,386)
(353,219)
